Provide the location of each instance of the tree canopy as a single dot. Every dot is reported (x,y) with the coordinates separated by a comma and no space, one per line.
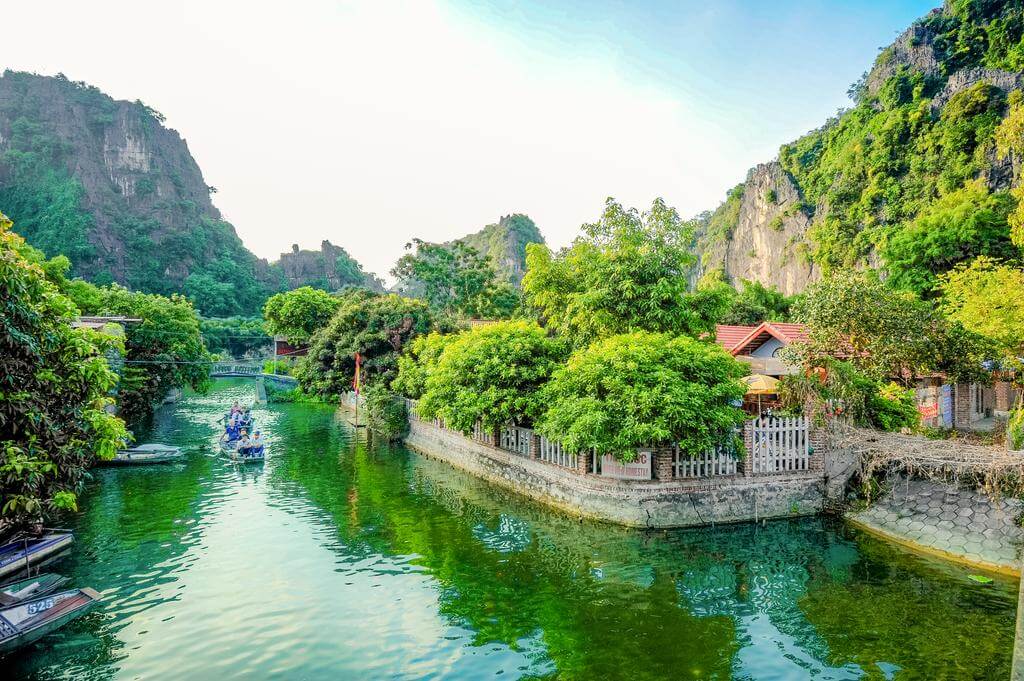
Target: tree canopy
(490,374)
(641,389)
(298,314)
(627,272)
(987,297)
(378,327)
(54,390)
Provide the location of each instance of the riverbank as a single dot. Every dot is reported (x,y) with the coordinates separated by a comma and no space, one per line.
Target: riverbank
(952,523)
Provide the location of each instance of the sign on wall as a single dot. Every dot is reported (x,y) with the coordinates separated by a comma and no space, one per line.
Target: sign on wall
(946,405)
(637,469)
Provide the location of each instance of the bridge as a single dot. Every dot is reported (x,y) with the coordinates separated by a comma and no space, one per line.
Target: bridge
(236,370)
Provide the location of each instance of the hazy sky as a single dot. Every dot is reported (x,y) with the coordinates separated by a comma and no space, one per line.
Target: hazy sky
(368,123)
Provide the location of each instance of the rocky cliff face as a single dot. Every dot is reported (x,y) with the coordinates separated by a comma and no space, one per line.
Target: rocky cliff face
(767,242)
(505,243)
(923,124)
(331,268)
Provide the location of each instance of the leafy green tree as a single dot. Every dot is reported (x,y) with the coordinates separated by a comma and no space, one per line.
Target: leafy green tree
(454,277)
(491,374)
(298,314)
(641,389)
(163,352)
(236,336)
(987,297)
(416,363)
(959,226)
(378,327)
(627,272)
(885,333)
(54,393)
(756,303)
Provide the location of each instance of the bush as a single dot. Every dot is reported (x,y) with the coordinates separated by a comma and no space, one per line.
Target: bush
(491,374)
(386,414)
(642,389)
(415,365)
(1015,430)
(893,407)
(281,367)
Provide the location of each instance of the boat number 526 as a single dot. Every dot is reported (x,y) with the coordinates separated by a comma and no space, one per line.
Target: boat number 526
(40,606)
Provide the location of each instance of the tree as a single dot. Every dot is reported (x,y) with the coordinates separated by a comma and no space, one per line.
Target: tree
(627,272)
(491,374)
(164,351)
(298,314)
(378,327)
(987,298)
(641,389)
(236,336)
(756,303)
(454,277)
(883,332)
(54,391)
(417,362)
(956,228)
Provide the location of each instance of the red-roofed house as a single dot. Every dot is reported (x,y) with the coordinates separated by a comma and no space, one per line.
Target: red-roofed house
(759,345)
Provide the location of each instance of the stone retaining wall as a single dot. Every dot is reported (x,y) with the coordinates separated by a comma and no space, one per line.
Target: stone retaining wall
(654,504)
(943,520)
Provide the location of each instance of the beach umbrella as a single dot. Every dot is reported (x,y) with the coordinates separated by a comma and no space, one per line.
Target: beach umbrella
(759,384)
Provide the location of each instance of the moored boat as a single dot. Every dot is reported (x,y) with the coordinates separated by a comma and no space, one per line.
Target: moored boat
(24,551)
(30,620)
(144,454)
(30,587)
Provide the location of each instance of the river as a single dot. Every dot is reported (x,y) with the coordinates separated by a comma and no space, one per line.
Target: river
(343,559)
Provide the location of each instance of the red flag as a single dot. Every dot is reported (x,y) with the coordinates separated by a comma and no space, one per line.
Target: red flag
(355,382)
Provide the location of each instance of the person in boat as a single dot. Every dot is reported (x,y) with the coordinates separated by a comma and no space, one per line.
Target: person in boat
(235,408)
(244,444)
(256,445)
(246,418)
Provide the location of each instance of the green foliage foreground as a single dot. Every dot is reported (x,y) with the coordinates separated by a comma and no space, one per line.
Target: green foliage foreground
(643,389)
(54,392)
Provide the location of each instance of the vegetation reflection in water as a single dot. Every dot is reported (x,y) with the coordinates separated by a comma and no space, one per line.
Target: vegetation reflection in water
(336,559)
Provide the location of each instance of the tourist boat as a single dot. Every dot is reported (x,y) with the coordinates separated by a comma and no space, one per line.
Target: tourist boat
(30,620)
(144,454)
(24,551)
(230,450)
(30,587)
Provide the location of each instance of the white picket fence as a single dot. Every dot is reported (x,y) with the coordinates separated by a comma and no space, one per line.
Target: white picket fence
(552,452)
(717,461)
(516,440)
(779,445)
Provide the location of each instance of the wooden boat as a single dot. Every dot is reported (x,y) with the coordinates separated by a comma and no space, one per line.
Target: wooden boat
(230,450)
(30,620)
(30,587)
(24,551)
(144,454)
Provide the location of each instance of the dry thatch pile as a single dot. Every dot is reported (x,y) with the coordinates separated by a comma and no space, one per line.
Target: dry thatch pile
(993,469)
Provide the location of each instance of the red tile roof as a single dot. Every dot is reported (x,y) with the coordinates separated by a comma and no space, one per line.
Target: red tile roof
(736,339)
(728,335)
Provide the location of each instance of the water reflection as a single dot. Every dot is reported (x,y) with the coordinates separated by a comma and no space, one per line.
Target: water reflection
(339,558)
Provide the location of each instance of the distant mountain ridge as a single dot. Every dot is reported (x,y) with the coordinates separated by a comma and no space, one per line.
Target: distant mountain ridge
(105,183)
(931,133)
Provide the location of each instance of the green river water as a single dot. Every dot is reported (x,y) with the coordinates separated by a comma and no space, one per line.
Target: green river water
(336,559)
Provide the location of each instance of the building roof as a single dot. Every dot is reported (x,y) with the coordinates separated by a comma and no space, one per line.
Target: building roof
(743,340)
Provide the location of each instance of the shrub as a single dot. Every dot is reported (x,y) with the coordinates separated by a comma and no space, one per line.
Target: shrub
(386,414)
(893,407)
(415,365)
(491,374)
(1015,430)
(641,389)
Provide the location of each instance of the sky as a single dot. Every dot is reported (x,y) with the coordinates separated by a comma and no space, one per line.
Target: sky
(369,123)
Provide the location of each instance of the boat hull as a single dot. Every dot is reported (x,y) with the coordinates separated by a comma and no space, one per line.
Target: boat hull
(31,620)
(15,557)
(31,587)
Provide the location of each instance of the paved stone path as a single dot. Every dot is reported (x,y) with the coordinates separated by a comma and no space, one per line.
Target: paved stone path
(959,523)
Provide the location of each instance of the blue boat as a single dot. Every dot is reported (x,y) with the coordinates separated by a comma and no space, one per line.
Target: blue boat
(22,552)
(30,620)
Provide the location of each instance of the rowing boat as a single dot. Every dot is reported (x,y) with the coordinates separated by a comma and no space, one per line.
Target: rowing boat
(230,450)
(30,620)
(25,551)
(30,587)
(144,454)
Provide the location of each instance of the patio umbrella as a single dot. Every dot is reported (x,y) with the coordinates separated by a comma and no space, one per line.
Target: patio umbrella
(759,384)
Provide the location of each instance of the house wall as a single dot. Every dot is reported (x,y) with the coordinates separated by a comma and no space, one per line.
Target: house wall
(768,348)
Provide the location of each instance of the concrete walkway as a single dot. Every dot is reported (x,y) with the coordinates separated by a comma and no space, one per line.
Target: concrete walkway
(956,524)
